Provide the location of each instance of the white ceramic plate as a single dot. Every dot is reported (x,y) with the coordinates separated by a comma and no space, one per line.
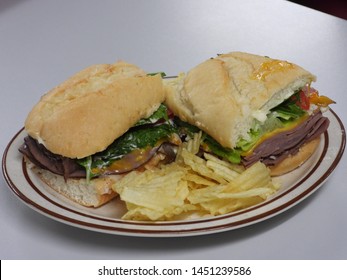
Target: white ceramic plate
(296,186)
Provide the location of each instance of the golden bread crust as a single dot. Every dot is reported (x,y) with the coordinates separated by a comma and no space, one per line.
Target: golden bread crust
(93,194)
(86,113)
(223,96)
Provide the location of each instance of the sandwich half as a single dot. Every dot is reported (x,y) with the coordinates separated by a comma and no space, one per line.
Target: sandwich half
(251,108)
(99,124)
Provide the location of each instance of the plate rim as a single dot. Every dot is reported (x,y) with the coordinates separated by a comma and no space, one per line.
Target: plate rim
(155,229)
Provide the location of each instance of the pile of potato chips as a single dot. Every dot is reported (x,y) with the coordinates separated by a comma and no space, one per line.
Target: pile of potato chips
(193,186)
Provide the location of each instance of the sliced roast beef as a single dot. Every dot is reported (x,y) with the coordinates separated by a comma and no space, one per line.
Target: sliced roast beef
(41,157)
(277,148)
(69,168)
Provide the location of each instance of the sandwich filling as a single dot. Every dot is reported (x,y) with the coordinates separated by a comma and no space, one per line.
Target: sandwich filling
(133,149)
(287,127)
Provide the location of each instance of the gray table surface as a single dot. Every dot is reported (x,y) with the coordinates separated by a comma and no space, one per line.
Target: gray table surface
(44,42)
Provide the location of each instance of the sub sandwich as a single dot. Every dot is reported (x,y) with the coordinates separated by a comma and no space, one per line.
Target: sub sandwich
(99,124)
(251,108)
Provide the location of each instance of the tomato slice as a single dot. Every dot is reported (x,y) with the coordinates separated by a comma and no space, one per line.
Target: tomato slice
(304,101)
(309,96)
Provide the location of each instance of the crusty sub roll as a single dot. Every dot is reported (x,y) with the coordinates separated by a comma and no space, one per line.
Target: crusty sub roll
(92,108)
(243,87)
(90,194)
(84,115)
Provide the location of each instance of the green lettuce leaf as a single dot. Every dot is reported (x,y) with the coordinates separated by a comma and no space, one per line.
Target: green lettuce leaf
(159,114)
(289,110)
(232,155)
(138,137)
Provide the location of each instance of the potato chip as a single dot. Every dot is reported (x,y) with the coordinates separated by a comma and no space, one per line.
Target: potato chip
(147,214)
(224,206)
(199,165)
(212,193)
(193,145)
(193,187)
(205,194)
(236,167)
(222,171)
(200,180)
(258,175)
(154,193)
